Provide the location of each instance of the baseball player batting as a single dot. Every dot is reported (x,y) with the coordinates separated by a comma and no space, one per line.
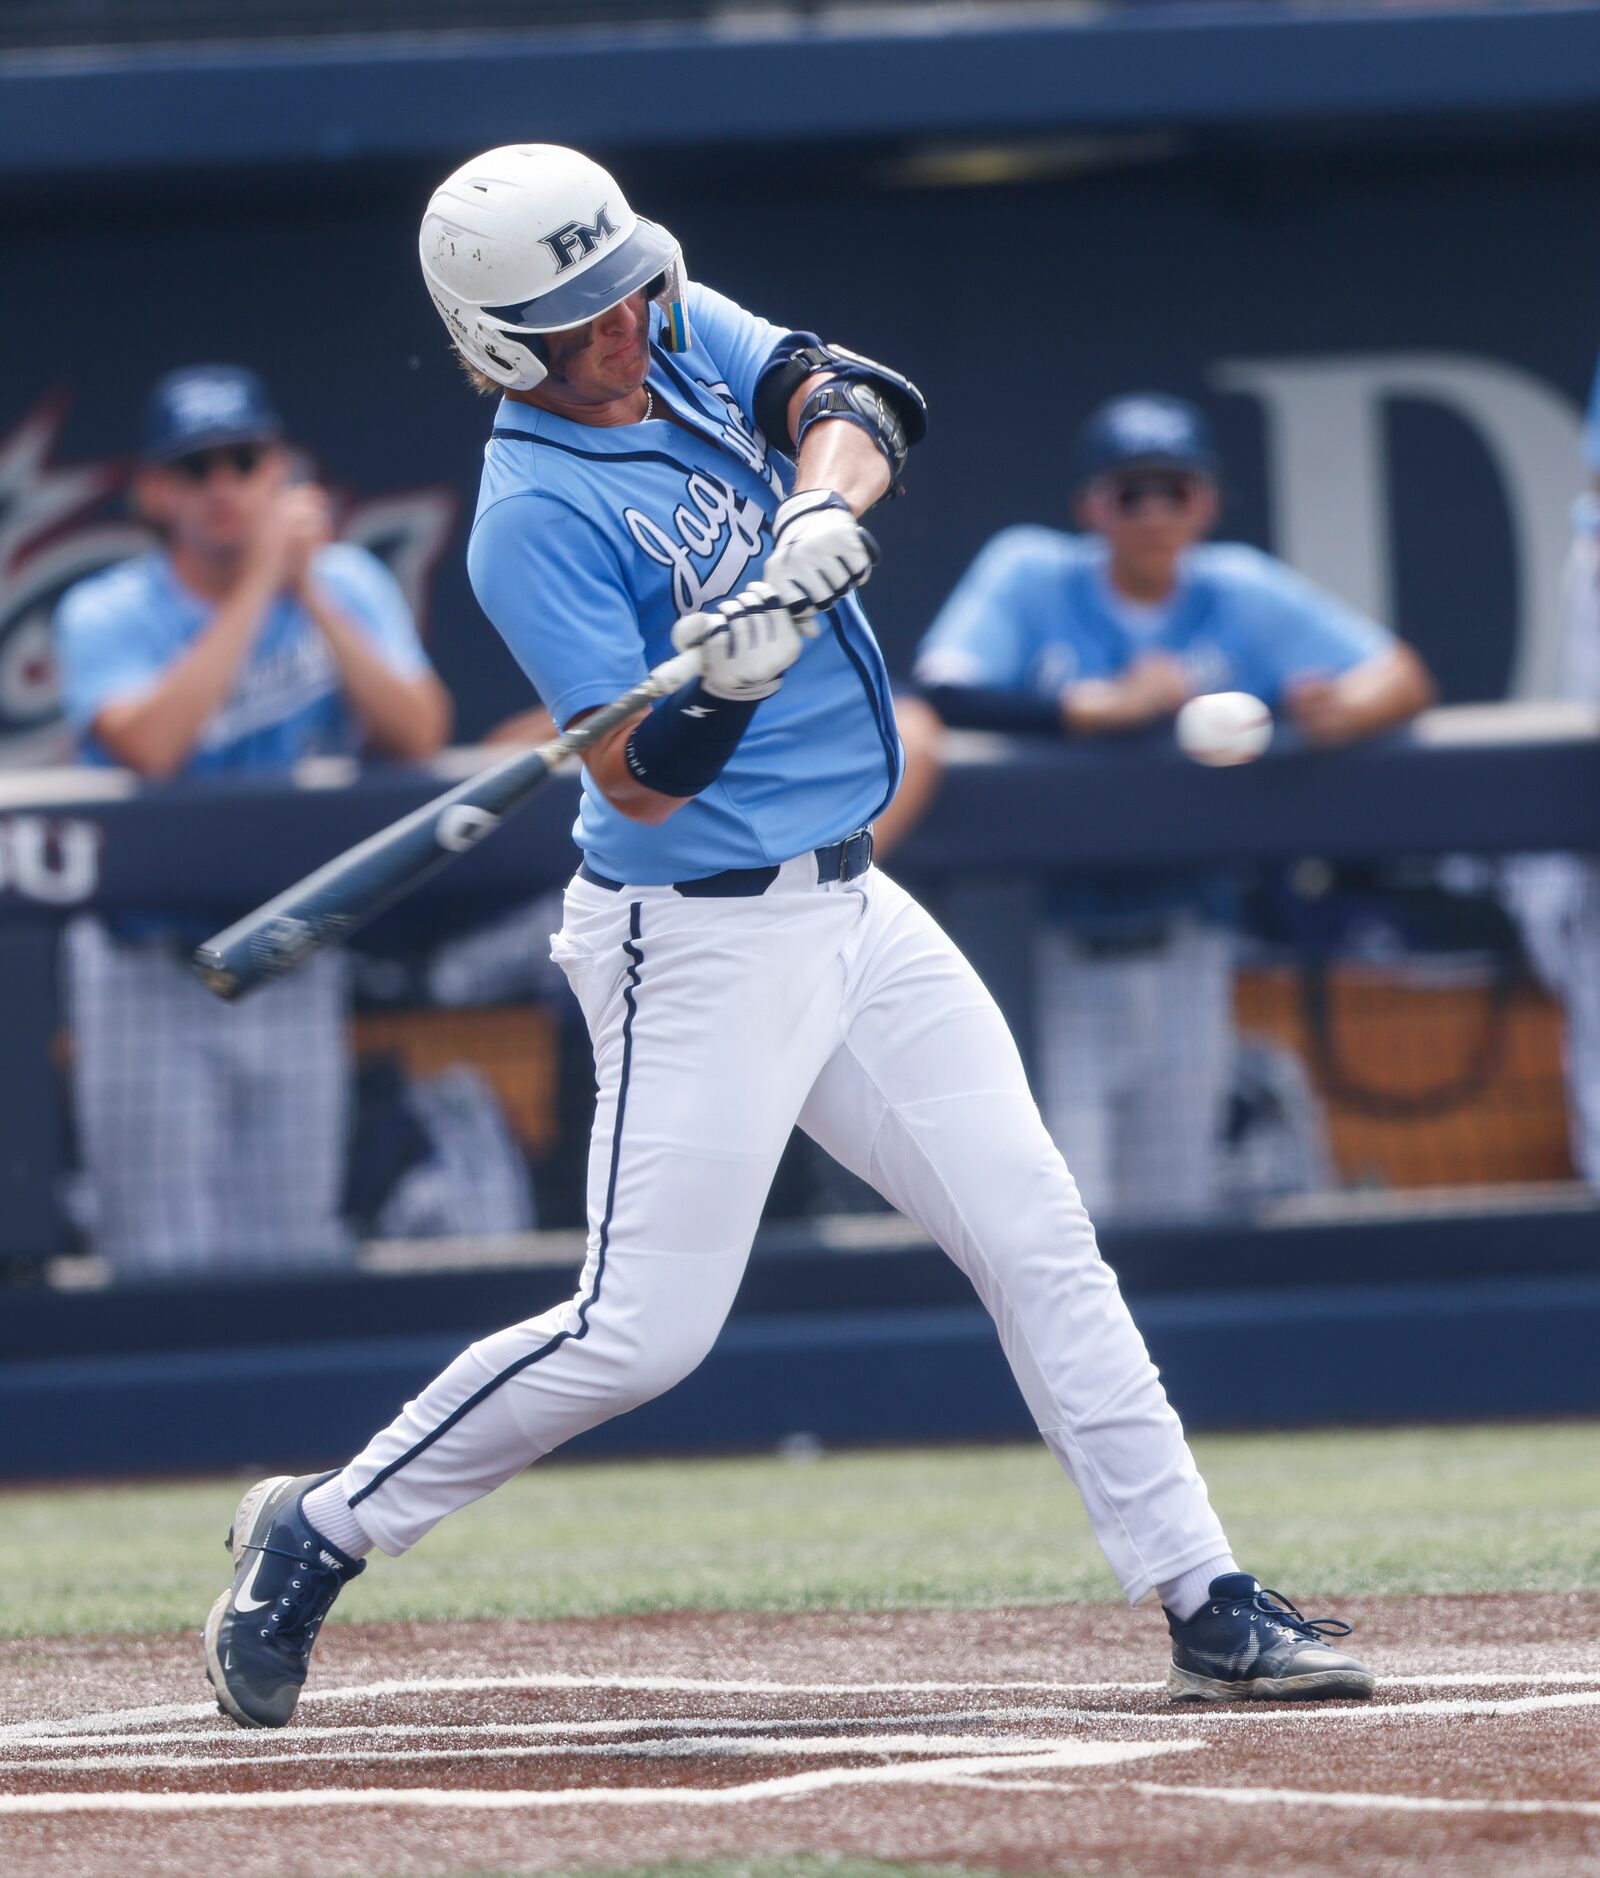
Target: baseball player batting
(664,471)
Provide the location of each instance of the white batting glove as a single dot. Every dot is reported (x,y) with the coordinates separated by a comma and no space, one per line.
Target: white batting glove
(750,641)
(819,550)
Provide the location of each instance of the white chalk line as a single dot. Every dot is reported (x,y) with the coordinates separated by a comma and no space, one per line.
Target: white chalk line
(249,1748)
(1395,1802)
(557,1682)
(693,1747)
(1060,1755)
(97,1719)
(1188,1715)
(21,1732)
(1479,1679)
(1317,1714)
(468,1731)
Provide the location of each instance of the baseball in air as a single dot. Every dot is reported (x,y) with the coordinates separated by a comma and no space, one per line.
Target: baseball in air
(1223,727)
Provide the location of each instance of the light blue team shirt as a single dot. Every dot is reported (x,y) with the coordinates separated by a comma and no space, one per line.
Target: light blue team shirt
(590,541)
(117,632)
(1036,612)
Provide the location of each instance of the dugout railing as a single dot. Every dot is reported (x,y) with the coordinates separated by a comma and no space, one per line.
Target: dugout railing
(1442,1243)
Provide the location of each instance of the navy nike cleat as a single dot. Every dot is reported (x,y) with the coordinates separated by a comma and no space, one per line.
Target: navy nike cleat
(259,1635)
(1245,1644)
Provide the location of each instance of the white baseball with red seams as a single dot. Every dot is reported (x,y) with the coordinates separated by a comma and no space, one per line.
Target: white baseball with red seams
(1220,728)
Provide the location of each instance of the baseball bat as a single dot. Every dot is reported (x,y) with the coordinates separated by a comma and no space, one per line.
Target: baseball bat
(354,887)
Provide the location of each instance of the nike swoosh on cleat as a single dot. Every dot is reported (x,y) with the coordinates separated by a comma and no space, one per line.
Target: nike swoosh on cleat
(1232,1665)
(244,1601)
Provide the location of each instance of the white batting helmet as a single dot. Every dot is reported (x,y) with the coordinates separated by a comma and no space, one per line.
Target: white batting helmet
(533,238)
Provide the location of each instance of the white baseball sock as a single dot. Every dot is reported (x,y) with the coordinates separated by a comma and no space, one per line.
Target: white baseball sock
(1182,1596)
(328,1513)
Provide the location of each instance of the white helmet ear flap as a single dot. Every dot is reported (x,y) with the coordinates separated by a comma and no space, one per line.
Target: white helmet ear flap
(511,359)
(499,355)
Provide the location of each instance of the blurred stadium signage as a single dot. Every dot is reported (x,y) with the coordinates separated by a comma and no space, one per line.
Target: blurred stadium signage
(51,860)
(1328,472)
(53,532)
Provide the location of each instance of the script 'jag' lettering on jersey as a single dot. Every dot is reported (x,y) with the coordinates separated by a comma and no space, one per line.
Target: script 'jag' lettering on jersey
(716,525)
(575,241)
(740,438)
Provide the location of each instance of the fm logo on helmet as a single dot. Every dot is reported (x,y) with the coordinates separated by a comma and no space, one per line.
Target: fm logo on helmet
(575,241)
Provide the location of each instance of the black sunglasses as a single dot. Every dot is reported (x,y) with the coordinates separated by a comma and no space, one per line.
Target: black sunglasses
(1130,493)
(244,459)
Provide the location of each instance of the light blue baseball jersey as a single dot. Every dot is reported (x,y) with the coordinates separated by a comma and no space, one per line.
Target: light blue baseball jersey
(590,541)
(118,631)
(1035,612)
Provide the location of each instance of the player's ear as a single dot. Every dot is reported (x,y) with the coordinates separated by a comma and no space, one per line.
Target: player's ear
(282,465)
(1081,507)
(1207,506)
(148,493)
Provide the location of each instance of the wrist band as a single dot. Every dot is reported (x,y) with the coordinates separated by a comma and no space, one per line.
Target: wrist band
(682,746)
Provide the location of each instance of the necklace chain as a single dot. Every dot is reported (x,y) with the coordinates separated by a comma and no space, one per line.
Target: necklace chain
(649,405)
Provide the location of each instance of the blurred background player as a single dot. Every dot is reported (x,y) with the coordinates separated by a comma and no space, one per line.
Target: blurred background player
(246,640)
(1557,896)
(1108,631)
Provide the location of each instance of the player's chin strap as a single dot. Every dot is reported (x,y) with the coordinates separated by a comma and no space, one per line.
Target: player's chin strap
(875,398)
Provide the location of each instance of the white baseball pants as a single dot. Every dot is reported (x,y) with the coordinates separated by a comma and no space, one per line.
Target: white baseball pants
(717,1024)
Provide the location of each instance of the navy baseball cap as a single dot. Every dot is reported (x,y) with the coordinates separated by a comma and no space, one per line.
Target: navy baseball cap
(1148,430)
(200,406)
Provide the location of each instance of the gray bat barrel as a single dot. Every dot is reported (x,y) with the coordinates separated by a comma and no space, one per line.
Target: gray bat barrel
(353,888)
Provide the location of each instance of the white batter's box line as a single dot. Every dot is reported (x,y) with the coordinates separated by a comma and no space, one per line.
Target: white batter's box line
(1066,1754)
(1366,1802)
(1509,1679)
(125,1719)
(25,1732)
(699,1685)
(1280,1715)
(726,1747)
(1314,1715)
(645,1725)
(554,1680)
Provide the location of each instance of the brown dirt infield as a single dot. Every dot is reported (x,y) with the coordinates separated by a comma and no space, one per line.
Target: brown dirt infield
(1049,1748)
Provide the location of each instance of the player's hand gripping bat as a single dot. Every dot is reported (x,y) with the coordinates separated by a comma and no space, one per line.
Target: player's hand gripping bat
(353,888)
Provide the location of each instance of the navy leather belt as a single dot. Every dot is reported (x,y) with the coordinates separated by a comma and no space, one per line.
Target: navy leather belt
(840,860)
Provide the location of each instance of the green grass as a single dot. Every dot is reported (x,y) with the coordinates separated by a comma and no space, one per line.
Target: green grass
(1456,1509)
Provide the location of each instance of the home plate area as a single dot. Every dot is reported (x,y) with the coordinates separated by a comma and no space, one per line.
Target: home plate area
(1029,1740)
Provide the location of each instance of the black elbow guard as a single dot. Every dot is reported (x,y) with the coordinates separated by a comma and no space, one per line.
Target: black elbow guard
(863,405)
(880,401)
